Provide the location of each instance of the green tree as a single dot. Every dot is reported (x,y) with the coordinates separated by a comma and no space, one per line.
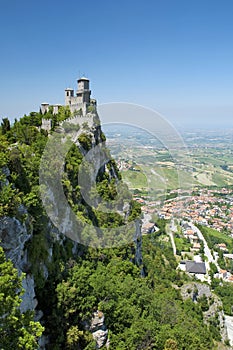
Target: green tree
(85,141)
(5,125)
(18,330)
(170,345)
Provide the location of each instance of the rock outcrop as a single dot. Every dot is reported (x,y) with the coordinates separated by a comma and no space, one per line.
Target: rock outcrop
(13,236)
(195,291)
(99,330)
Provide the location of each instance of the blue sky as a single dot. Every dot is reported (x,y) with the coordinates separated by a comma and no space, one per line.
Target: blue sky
(175,56)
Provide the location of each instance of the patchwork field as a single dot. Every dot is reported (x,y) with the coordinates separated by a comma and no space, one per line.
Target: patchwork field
(153,168)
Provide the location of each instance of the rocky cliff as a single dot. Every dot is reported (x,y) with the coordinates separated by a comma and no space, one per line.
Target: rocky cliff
(13,236)
(36,246)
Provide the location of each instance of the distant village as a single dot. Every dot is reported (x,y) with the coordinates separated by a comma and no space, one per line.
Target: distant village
(212,208)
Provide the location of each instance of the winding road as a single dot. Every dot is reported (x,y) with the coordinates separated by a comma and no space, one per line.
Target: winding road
(170,229)
(207,250)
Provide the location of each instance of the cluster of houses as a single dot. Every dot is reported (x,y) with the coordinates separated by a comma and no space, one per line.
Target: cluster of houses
(198,268)
(212,208)
(149,227)
(124,165)
(195,267)
(208,208)
(192,237)
(224,275)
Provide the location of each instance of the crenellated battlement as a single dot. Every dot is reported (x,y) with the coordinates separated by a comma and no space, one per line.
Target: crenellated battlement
(81,105)
(88,121)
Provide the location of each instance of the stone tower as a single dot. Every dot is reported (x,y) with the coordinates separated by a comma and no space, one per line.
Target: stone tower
(78,103)
(83,93)
(82,100)
(69,94)
(44,107)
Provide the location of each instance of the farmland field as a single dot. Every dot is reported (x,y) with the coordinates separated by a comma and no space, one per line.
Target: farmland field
(205,162)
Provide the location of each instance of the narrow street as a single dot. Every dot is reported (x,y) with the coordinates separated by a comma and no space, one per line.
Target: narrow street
(207,251)
(170,229)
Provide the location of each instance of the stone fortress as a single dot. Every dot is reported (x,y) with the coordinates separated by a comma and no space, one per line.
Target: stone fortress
(81,105)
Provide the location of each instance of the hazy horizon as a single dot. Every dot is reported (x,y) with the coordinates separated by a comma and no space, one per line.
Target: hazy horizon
(173,57)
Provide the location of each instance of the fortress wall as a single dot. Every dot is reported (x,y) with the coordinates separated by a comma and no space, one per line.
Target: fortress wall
(46,124)
(89,119)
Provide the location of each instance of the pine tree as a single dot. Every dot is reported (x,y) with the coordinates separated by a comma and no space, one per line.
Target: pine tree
(5,125)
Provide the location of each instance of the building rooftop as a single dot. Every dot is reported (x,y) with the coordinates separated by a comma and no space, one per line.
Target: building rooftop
(83,78)
(195,267)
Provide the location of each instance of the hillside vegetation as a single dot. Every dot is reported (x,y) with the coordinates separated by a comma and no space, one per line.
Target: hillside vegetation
(142,303)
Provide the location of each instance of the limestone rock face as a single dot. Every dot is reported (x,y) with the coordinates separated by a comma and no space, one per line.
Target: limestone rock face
(13,236)
(99,330)
(29,301)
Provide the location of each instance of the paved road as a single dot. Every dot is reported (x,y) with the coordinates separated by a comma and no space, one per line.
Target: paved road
(173,226)
(229,325)
(170,229)
(207,251)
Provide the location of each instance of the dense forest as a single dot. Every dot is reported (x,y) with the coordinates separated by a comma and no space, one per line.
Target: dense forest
(140,299)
